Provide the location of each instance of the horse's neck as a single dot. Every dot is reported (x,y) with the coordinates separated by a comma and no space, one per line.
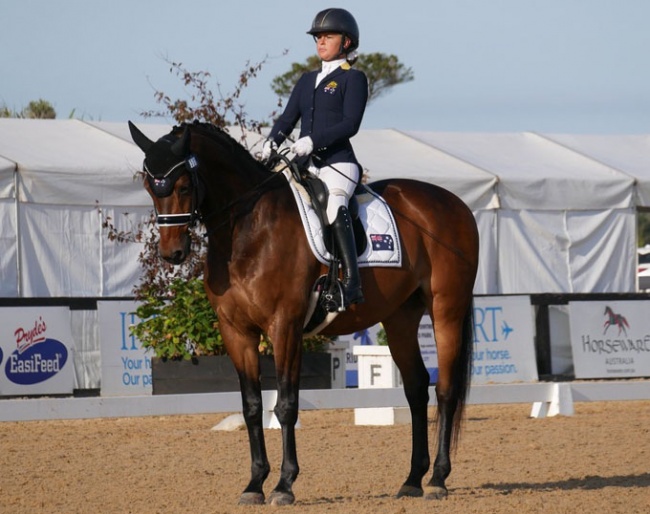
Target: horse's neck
(226,170)
(233,182)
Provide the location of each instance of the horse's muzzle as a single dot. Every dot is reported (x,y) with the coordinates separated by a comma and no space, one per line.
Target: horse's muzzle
(175,250)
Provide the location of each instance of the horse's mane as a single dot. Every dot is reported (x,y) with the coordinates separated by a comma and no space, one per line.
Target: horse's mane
(223,138)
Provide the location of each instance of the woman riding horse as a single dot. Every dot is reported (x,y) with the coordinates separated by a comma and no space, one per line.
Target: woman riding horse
(330,103)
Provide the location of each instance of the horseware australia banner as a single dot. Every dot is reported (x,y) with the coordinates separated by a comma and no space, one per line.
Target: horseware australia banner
(35,351)
(610,339)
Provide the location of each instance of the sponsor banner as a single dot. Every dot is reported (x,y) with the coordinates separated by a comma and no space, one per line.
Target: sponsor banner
(126,368)
(36,355)
(428,348)
(610,339)
(504,340)
(364,337)
(370,336)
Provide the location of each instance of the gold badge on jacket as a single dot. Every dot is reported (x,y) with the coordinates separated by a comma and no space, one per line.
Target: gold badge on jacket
(331,87)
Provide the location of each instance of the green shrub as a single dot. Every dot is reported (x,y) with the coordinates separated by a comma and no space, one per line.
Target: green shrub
(181,326)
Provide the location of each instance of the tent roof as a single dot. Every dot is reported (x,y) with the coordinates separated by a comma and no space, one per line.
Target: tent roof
(59,159)
(390,153)
(536,173)
(153,131)
(628,153)
(79,163)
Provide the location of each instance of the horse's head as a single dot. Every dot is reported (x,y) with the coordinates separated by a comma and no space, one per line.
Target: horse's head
(170,177)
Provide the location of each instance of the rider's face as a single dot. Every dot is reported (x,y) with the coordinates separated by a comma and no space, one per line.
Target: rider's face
(328,45)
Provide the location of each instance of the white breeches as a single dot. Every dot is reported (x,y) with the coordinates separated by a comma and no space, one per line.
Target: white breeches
(340,183)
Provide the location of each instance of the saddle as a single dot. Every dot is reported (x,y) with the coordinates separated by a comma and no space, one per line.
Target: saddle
(318,195)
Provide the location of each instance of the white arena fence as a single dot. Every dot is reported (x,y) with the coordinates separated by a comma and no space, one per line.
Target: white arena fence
(554,394)
(547,398)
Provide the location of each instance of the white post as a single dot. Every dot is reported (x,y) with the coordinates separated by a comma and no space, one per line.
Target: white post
(561,403)
(377,370)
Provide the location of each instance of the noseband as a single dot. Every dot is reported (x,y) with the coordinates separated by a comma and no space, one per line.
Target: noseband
(163,186)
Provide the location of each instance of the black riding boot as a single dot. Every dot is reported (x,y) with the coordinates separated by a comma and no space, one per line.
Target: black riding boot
(344,238)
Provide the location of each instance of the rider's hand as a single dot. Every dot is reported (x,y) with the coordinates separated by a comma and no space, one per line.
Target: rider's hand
(303,146)
(268,148)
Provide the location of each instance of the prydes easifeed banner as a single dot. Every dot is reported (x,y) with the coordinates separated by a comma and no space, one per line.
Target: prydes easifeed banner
(36,351)
(610,339)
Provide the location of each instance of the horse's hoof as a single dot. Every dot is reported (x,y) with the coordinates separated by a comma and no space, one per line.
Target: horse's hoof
(251,499)
(409,491)
(435,493)
(280,498)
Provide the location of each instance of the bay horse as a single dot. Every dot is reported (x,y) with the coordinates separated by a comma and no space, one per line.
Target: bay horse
(258,275)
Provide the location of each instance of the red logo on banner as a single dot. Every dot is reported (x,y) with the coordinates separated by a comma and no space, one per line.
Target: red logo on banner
(26,338)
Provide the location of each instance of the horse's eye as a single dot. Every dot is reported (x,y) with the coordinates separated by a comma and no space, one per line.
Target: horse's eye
(184,190)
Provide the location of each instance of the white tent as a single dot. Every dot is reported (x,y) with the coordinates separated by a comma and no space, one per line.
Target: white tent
(556,213)
(64,171)
(561,214)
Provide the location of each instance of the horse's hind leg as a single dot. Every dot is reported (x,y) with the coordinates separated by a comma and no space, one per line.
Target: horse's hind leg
(402,334)
(453,332)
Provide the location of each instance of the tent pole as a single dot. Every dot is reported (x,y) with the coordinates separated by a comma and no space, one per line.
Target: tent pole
(19,252)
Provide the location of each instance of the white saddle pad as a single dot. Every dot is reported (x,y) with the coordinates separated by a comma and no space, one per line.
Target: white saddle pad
(384,248)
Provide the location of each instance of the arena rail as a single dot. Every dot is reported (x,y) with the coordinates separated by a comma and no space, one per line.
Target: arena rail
(547,399)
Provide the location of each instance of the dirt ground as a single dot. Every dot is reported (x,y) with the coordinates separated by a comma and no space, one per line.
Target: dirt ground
(596,461)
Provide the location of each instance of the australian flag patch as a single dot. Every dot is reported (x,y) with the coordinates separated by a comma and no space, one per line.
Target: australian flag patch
(382,242)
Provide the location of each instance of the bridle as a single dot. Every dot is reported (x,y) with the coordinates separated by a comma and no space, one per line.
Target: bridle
(163,186)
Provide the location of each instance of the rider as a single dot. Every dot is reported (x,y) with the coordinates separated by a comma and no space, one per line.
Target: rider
(330,103)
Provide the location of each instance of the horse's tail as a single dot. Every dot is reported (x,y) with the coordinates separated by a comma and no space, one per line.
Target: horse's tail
(463,373)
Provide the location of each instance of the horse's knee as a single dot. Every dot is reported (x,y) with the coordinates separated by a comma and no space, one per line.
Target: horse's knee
(286,412)
(253,409)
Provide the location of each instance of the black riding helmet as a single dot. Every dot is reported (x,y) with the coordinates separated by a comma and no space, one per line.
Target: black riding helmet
(338,21)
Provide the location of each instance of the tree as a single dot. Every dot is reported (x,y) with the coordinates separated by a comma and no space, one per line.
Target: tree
(210,105)
(36,109)
(643,227)
(39,109)
(383,72)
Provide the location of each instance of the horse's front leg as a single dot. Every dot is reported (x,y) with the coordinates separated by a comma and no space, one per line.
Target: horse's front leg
(242,347)
(288,361)
(251,390)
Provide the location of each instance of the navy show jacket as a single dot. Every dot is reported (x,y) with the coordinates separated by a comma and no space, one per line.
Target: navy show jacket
(330,113)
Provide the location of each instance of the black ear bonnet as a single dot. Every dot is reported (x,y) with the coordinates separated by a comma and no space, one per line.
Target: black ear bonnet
(165,162)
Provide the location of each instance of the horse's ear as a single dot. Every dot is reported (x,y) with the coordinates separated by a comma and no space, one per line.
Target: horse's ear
(182,146)
(143,142)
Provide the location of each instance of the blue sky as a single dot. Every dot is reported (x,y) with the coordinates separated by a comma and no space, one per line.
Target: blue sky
(576,66)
